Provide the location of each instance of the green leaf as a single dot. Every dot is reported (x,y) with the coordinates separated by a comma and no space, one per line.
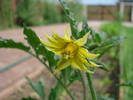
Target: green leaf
(50,57)
(104,98)
(38,47)
(103,51)
(102,66)
(52,94)
(74,76)
(71,19)
(97,38)
(92,46)
(107,45)
(85,29)
(56,92)
(114,41)
(29,98)
(8,43)
(34,41)
(38,87)
(128,84)
(69,75)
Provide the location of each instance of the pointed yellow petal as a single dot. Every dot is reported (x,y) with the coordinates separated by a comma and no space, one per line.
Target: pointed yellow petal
(52,40)
(77,63)
(86,53)
(56,36)
(82,40)
(62,64)
(82,68)
(91,64)
(50,45)
(66,35)
(57,43)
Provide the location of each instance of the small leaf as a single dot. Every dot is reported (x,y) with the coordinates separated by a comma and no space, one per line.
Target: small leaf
(75,76)
(34,41)
(102,66)
(38,87)
(8,43)
(85,29)
(71,19)
(97,38)
(91,47)
(29,98)
(56,92)
(114,41)
(50,57)
(38,47)
(128,84)
(103,51)
(104,98)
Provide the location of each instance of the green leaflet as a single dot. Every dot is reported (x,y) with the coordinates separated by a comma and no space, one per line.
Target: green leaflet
(56,92)
(28,98)
(104,98)
(128,84)
(71,19)
(38,47)
(103,66)
(85,29)
(38,87)
(34,41)
(107,45)
(114,41)
(8,43)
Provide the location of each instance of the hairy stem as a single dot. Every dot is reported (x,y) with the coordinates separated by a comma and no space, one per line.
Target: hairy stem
(55,76)
(84,84)
(93,93)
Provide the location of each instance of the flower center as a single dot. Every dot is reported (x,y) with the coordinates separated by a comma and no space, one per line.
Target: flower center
(70,50)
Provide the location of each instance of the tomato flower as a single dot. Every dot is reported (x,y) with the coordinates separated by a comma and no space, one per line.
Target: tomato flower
(72,52)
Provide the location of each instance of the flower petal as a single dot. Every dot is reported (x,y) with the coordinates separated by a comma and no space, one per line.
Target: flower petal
(82,40)
(51,47)
(62,64)
(77,63)
(57,37)
(91,64)
(66,34)
(86,53)
(47,44)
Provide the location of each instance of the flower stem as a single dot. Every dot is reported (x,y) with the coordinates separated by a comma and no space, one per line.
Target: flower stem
(84,84)
(93,93)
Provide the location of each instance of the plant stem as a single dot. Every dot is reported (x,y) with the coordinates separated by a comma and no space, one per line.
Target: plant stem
(84,84)
(50,70)
(93,93)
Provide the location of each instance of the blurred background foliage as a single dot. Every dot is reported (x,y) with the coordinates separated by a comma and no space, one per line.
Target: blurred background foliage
(35,12)
(6,14)
(26,13)
(120,58)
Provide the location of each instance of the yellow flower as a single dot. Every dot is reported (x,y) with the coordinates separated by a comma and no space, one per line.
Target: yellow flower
(71,51)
